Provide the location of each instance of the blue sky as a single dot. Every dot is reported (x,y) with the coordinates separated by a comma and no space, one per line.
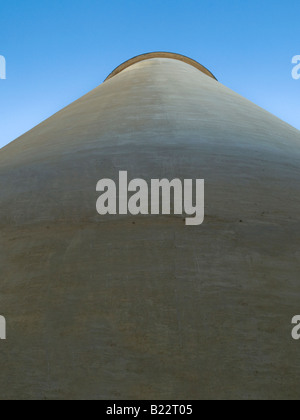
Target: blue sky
(58,50)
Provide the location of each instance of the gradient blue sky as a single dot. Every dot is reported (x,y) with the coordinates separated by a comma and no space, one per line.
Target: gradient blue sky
(58,50)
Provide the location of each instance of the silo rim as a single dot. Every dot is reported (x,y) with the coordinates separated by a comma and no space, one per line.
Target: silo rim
(160,54)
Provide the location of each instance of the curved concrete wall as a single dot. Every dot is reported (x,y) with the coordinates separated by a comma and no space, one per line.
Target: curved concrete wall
(160,54)
(144,306)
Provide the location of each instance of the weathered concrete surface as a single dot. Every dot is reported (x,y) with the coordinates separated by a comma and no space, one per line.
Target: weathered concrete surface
(146,307)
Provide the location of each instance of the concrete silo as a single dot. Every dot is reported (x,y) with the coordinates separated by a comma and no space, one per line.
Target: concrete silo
(145,307)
